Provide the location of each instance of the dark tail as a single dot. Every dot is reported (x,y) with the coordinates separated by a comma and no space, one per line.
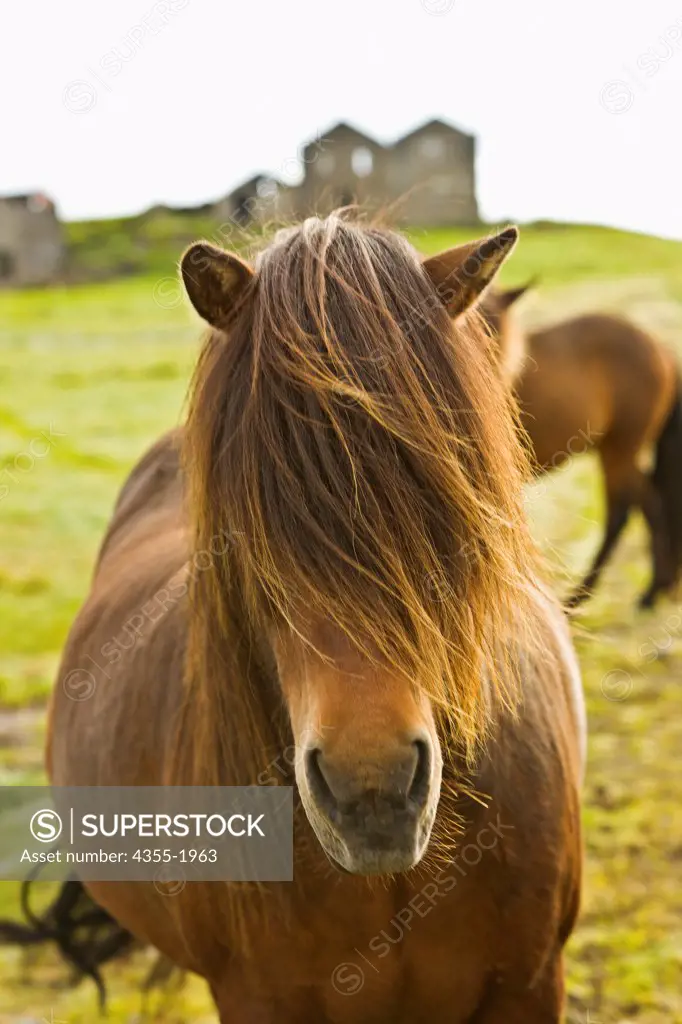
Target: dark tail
(86,935)
(667,478)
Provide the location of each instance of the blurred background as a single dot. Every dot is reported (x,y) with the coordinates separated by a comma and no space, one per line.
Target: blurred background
(128,130)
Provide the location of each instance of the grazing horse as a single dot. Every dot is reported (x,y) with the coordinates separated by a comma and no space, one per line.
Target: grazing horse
(600,383)
(379,610)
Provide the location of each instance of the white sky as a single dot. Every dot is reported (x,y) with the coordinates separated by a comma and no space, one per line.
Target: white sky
(109,115)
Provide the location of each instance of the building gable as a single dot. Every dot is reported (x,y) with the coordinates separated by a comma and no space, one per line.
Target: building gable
(435,127)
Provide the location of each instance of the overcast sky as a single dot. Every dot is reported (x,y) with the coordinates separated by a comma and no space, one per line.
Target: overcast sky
(577,107)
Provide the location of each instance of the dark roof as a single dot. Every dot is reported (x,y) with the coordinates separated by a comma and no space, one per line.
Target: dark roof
(428,126)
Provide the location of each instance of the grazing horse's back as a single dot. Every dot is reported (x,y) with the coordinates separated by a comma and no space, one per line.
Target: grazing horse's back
(343,568)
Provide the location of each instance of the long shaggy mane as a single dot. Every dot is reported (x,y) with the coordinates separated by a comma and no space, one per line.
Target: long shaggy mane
(361,453)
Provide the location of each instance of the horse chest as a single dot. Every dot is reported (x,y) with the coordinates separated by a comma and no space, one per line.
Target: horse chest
(406,954)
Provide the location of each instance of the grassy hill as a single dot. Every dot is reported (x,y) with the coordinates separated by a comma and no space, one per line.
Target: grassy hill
(149,244)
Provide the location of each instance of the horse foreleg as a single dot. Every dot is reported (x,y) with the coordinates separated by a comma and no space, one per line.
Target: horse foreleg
(540,1003)
(237,1004)
(618,511)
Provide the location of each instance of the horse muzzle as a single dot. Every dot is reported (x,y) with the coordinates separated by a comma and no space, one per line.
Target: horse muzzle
(373,816)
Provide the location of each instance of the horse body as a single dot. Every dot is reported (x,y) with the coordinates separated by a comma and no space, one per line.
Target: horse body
(467,929)
(454,930)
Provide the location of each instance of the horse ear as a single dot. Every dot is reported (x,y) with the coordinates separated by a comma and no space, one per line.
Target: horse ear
(214,280)
(461,274)
(510,297)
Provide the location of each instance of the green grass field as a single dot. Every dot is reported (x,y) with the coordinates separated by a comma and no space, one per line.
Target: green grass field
(91,375)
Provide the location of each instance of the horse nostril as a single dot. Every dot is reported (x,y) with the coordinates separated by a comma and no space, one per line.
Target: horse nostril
(401,783)
(319,787)
(419,787)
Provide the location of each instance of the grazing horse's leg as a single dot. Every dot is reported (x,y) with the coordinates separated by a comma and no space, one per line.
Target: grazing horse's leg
(651,504)
(627,487)
(617,513)
(540,1003)
(622,487)
(617,516)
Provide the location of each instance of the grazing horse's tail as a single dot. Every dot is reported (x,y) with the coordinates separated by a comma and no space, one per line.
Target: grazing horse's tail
(667,477)
(86,935)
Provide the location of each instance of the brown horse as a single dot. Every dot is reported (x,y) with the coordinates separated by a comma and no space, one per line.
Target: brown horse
(600,383)
(378,610)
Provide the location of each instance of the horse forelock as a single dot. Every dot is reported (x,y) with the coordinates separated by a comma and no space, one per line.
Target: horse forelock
(361,453)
